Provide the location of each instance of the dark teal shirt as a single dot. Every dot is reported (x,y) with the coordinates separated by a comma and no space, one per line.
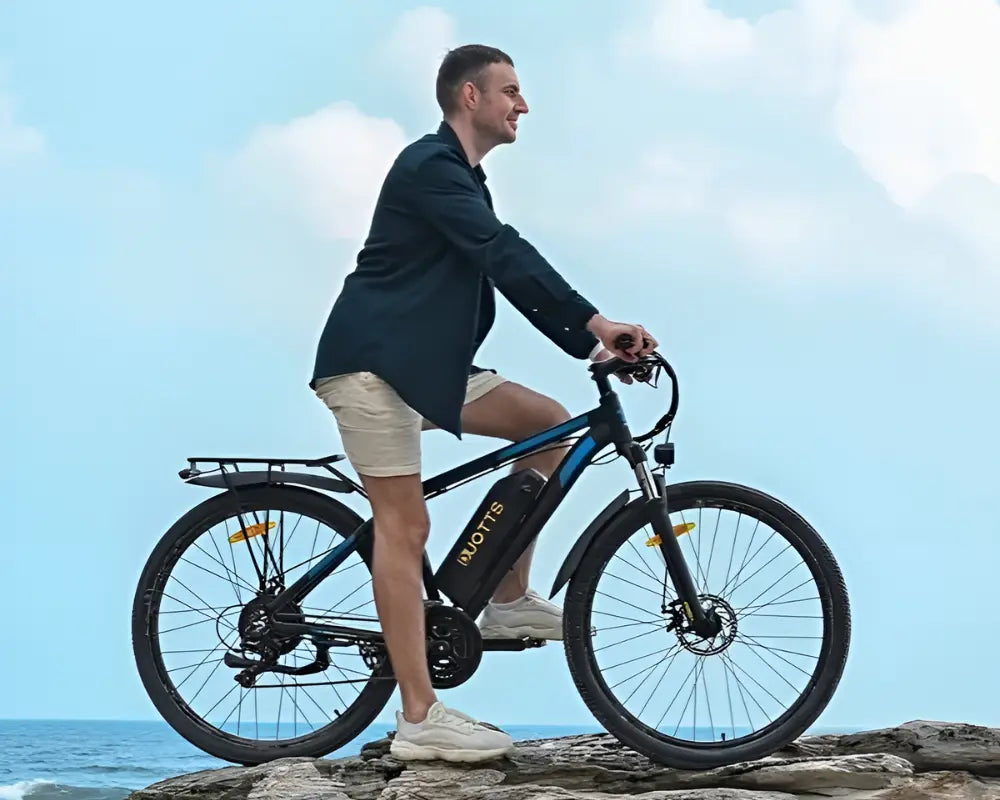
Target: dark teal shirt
(420,301)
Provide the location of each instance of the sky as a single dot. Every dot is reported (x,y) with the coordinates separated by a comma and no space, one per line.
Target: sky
(799,199)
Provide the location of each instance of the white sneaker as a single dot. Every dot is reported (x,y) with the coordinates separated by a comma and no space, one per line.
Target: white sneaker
(531,615)
(448,735)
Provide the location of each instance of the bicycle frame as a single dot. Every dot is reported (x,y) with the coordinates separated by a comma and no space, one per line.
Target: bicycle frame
(605,424)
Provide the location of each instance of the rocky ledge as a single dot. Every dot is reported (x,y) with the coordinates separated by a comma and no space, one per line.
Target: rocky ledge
(914,761)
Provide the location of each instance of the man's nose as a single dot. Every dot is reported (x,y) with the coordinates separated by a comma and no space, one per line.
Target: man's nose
(521,107)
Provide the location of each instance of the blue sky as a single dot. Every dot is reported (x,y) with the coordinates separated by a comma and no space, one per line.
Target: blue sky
(800,203)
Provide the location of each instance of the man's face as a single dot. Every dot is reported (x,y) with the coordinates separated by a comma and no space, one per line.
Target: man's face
(500,104)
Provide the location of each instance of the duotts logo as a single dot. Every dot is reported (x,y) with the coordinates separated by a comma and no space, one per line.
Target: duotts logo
(479,534)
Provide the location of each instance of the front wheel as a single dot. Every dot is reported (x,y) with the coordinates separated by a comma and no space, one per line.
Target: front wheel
(697,703)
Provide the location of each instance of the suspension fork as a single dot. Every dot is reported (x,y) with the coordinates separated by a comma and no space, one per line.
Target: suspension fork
(655,492)
(654,489)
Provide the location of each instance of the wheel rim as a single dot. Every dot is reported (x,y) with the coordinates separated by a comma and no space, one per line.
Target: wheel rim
(202,597)
(687,691)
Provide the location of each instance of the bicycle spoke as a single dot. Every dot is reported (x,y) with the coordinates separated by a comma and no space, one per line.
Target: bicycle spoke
(623,641)
(749,641)
(631,583)
(732,551)
(632,605)
(759,570)
(222,564)
(711,552)
(779,580)
(674,700)
(775,603)
(651,573)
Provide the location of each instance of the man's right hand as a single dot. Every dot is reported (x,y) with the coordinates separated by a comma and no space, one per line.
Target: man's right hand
(607,331)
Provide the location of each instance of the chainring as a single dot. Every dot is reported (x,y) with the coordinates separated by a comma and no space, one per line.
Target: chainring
(454,646)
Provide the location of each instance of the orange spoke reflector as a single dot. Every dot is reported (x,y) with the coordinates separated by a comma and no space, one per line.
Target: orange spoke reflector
(679,530)
(253,530)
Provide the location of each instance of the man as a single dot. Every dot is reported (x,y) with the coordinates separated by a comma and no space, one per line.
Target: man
(395,358)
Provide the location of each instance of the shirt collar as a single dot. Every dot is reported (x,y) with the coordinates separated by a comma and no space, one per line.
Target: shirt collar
(448,135)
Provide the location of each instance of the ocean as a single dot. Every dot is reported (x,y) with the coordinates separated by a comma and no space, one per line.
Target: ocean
(70,760)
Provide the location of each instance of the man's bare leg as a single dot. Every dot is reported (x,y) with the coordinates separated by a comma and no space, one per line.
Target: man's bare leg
(514,412)
(401,529)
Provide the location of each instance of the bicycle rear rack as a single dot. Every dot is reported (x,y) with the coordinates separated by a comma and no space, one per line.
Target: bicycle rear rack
(227,474)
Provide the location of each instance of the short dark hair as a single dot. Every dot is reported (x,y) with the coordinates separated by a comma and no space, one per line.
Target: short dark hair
(465,63)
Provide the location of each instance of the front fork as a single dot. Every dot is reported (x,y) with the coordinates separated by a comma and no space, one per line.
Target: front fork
(654,489)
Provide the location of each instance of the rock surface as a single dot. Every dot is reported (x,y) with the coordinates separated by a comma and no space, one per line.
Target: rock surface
(915,761)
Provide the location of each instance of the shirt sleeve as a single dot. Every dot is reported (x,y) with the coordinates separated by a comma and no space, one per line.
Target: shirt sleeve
(447,196)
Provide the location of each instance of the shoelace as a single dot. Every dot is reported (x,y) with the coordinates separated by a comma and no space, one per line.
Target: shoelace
(465,722)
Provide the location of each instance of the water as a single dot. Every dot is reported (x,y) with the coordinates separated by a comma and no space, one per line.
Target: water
(69,760)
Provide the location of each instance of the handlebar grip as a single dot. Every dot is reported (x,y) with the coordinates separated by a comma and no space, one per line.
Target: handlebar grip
(624,341)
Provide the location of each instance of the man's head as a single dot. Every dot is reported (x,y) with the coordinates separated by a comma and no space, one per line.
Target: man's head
(477,85)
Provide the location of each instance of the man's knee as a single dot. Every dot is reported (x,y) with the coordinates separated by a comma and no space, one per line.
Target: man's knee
(403,531)
(399,512)
(548,414)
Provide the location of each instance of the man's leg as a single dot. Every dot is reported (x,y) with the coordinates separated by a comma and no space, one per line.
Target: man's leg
(401,529)
(514,412)
(381,436)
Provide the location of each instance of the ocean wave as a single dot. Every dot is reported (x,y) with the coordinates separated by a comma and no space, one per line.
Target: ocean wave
(110,769)
(40,789)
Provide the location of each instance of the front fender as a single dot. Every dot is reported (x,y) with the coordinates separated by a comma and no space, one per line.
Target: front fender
(575,555)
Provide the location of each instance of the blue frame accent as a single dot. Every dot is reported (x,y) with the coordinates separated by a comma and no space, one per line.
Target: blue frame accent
(334,558)
(543,438)
(490,461)
(576,461)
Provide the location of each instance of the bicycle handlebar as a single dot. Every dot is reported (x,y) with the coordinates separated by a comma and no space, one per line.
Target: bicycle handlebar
(642,370)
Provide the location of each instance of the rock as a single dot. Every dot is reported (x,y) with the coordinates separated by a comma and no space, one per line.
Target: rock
(926,745)
(916,761)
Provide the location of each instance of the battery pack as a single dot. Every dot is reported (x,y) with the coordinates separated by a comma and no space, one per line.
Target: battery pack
(487,535)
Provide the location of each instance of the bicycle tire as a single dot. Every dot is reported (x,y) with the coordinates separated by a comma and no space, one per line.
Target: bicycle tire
(149,662)
(578,641)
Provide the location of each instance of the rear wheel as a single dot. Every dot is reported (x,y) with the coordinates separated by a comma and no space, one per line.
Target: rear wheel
(761,681)
(197,595)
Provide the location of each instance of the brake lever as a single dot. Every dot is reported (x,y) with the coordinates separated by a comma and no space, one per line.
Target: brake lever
(641,373)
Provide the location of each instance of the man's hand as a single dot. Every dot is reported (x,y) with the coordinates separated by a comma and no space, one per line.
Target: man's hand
(603,355)
(607,331)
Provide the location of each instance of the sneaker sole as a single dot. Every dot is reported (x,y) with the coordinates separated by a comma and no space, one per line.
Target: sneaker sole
(501,632)
(407,751)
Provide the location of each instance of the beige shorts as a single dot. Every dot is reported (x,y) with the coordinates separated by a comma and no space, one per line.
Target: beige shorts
(380,433)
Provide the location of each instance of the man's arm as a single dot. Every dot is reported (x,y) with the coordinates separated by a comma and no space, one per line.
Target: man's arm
(449,199)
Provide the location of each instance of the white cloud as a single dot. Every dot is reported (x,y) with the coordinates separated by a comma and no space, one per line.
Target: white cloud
(326,167)
(17,140)
(689,32)
(910,93)
(913,94)
(415,46)
(918,98)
